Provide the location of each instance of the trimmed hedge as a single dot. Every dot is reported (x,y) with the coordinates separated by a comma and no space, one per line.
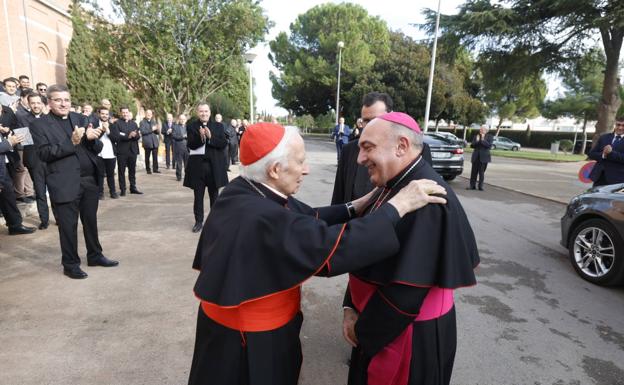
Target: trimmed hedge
(535,139)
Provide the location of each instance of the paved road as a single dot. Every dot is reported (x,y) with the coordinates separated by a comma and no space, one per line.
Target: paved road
(530,320)
(556,181)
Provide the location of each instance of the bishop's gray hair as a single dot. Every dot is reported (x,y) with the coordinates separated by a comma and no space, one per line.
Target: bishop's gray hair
(257,171)
(416,138)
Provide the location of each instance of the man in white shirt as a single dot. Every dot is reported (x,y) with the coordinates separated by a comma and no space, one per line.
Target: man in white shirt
(107,155)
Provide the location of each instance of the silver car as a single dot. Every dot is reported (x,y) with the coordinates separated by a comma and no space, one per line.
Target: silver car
(502,143)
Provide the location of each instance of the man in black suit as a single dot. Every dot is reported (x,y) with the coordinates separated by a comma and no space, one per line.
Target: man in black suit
(352,180)
(70,153)
(609,155)
(35,167)
(149,138)
(125,134)
(481,143)
(167,132)
(206,164)
(8,204)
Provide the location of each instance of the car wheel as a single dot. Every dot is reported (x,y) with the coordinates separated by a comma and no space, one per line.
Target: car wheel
(597,252)
(514,148)
(493,147)
(449,177)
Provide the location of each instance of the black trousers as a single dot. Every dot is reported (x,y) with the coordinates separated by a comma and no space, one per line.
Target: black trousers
(153,152)
(231,152)
(109,166)
(84,206)
(38,174)
(207,181)
(477,168)
(8,205)
(181,157)
(169,153)
(128,161)
(338,148)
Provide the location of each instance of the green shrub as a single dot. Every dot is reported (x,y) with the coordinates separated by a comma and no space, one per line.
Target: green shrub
(566,145)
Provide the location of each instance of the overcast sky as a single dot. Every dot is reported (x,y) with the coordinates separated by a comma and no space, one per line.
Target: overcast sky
(398,14)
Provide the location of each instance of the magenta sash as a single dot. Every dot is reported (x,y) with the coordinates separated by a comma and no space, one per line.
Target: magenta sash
(392,364)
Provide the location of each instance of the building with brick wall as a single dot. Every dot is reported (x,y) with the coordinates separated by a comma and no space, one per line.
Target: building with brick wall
(34,36)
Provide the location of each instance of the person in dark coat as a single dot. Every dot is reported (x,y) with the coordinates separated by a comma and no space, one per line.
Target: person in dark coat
(399,313)
(232,147)
(108,155)
(167,131)
(481,143)
(70,153)
(36,168)
(609,156)
(125,135)
(258,246)
(206,164)
(180,149)
(8,203)
(149,138)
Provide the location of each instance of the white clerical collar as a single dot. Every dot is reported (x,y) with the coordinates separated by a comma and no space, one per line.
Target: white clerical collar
(274,190)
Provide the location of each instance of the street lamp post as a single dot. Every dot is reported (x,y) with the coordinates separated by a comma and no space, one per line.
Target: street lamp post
(340,47)
(432,70)
(249,57)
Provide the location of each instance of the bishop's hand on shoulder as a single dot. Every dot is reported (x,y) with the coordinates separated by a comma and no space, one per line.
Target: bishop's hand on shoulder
(417,194)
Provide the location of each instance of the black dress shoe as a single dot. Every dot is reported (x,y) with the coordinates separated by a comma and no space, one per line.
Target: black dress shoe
(178,178)
(21,229)
(197,228)
(149,171)
(103,261)
(43,225)
(135,191)
(122,193)
(114,195)
(156,172)
(167,167)
(481,189)
(75,273)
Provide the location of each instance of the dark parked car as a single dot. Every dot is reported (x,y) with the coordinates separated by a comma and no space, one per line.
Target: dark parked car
(592,230)
(447,156)
(451,137)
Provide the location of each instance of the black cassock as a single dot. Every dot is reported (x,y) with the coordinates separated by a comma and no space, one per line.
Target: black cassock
(256,244)
(408,318)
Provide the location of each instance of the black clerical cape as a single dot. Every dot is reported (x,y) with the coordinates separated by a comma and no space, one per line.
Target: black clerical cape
(406,327)
(256,246)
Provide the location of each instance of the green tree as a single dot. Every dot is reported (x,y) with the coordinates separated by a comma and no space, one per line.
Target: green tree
(583,85)
(85,80)
(543,36)
(173,54)
(308,57)
(511,94)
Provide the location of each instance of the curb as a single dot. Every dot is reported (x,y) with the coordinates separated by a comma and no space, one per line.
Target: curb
(522,192)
